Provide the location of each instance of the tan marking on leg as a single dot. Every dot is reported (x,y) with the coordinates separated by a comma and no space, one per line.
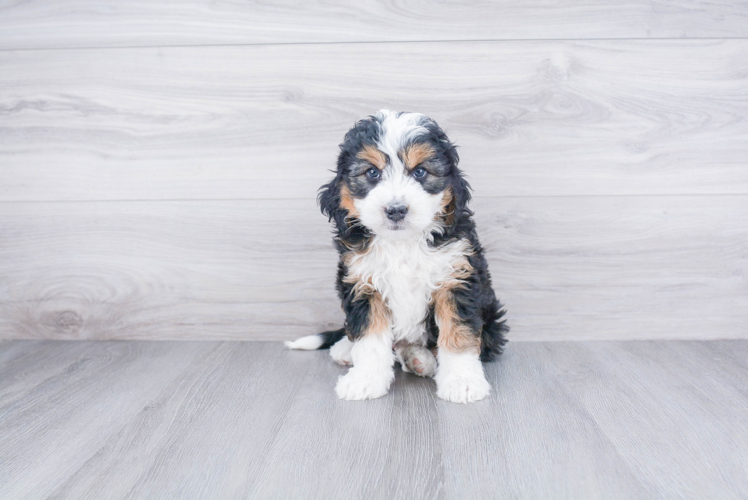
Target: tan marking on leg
(454,335)
(378,320)
(363,289)
(373,155)
(379,315)
(415,154)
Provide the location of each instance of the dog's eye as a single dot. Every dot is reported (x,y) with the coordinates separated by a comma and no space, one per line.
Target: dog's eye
(372,173)
(419,173)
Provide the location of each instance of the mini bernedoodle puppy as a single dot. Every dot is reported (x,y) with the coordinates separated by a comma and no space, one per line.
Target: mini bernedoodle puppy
(412,277)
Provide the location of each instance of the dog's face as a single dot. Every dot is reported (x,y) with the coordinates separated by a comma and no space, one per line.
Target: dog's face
(397,177)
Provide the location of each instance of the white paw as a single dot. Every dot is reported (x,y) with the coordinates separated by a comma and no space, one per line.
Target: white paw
(417,359)
(461,390)
(460,377)
(341,352)
(358,384)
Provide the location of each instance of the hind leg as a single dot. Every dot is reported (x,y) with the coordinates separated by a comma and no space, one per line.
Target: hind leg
(341,352)
(416,359)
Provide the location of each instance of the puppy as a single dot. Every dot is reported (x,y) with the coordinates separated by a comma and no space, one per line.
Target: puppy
(412,277)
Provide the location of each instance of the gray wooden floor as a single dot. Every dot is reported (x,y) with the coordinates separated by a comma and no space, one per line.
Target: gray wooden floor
(636,419)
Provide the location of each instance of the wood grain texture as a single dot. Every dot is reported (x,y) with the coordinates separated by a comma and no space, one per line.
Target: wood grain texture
(608,420)
(566,267)
(97,23)
(531,118)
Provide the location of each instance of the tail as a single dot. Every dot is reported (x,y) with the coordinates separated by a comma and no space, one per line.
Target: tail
(493,336)
(323,340)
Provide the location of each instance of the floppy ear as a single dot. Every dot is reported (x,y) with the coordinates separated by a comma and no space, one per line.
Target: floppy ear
(460,187)
(457,211)
(329,203)
(336,203)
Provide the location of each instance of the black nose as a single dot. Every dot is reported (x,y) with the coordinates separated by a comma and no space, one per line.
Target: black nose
(396,212)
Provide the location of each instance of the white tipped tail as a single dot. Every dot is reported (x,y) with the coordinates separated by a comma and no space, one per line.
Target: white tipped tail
(308,343)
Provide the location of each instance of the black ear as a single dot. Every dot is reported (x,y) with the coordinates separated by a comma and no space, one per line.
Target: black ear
(457,211)
(458,219)
(460,187)
(328,197)
(329,202)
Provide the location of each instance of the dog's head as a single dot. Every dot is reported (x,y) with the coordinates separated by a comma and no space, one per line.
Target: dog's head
(397,177)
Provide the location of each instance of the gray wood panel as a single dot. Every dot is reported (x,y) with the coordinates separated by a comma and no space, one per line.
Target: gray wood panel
(567,268)
(532,118)
(97,23)
(577,420)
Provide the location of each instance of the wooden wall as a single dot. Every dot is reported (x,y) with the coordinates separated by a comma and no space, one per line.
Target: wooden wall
(159,161)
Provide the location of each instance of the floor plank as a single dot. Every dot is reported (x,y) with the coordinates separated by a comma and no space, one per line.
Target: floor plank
(643,419)
(102,386)
(195,430)
(531,118)
(535,425)
(653,389)
(567,268)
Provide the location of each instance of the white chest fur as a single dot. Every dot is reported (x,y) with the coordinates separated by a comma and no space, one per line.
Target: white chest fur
(406,273)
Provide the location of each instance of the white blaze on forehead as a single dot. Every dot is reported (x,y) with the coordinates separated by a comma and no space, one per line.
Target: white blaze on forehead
(397,131)
(396,185)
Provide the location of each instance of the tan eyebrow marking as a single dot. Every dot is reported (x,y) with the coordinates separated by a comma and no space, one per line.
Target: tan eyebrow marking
(416,154)
(373,156)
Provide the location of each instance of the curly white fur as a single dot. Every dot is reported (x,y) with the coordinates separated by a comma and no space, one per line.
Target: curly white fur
(460,377)
(372,371)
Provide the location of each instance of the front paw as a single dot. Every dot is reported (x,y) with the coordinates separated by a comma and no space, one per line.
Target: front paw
(463,390)
(357,385)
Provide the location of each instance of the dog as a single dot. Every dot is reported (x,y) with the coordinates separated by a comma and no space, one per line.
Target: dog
(412,278)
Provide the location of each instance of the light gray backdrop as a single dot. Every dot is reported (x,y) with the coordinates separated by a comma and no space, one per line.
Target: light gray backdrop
(159,161)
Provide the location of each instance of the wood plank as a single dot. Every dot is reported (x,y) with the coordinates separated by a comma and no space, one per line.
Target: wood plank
(387,454)
(667,387)
(607,420)
(18,357)
(532,118)
(95,23)
(566,267)
(202,434)
(537,426)
(103,386)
